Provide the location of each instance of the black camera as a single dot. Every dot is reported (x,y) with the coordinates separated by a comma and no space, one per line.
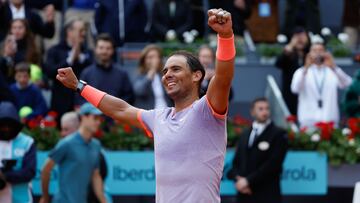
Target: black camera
(8,165)
(319,59)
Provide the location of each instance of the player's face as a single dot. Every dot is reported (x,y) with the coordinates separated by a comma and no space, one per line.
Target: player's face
(177,77)
(261,111)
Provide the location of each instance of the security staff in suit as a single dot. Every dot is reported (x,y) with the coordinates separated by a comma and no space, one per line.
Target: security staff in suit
(259,157)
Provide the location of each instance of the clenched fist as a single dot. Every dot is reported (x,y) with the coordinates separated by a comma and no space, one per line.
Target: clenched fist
(220,21)
(67,77)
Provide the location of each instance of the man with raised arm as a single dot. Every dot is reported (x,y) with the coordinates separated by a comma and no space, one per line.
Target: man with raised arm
(190,138)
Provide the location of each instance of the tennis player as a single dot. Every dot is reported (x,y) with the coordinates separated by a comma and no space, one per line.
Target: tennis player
(190,138)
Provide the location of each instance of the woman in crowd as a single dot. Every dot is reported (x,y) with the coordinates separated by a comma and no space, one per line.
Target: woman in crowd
(26,47)
(148,88)
(206,57)
(292,57)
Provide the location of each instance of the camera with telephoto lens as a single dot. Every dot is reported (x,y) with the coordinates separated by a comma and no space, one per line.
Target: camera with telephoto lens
(8,165)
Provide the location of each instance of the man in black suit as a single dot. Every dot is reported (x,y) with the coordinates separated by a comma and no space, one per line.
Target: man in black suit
(258,160)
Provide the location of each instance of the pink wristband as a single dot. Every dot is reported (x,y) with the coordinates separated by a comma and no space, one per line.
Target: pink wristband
(92,95)
(225,48)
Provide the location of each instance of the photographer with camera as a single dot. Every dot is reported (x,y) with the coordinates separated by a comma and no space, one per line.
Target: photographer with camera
(17,157)
(316,84)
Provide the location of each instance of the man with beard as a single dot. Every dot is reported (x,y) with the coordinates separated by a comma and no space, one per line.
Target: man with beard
(191,135)
(105,75)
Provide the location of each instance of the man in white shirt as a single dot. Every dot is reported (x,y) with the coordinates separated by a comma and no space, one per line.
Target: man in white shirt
(317,84)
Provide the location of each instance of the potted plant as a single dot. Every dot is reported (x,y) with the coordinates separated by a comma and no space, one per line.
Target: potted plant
(269,52)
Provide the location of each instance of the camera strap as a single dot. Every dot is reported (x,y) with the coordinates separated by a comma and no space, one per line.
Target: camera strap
(319,77)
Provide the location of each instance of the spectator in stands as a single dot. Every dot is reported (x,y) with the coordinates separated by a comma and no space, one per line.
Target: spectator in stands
(85,10)
(171,18)
(25,41)
(240,11)
(316,84)
(17,158)
(77,156)
(304,13)
(129,27)
(148,87)
(292,58)
(5,93)
(71,51)
(70,122)
(259,156)
(351,103)
(8,52)
(27,94)
(16,9)
(206,57)
(104,74)
(351,22)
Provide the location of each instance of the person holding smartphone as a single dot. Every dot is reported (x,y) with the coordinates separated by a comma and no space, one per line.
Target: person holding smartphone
(316,84)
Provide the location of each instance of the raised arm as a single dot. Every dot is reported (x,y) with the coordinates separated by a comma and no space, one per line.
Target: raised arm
(111,106)
(219,87)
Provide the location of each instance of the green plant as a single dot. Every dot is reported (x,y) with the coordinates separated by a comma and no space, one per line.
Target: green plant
(340,145)
(43,130)
(341,51)
(235,128)
(126,137)
(270,50)
(337,48)
(45,137)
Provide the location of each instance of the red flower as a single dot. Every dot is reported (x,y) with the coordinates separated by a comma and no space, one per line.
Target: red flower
(303,130)
(48,123)
(238,120)
(354,125)
(326,129)
(127,128)
(291,119)
(99,133)
(238,130)
(33,124)
(53,114)
(351,136)
(291,135)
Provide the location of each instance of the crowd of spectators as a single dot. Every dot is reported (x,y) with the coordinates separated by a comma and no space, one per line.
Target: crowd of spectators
(90,31)
(85,35)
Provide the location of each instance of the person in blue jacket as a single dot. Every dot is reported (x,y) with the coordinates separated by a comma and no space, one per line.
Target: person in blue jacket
(26,93)
(17,157)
